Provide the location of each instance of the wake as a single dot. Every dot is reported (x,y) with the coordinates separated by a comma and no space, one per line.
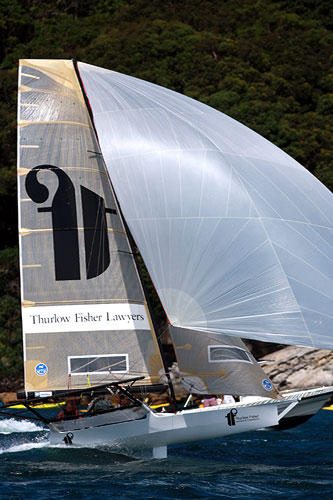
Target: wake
(19,448)
(8,426)
(9,443)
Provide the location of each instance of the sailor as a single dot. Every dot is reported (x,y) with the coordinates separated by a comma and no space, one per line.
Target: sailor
(123,400)
(69,411)
(227,399)
(101,403)
(209,400)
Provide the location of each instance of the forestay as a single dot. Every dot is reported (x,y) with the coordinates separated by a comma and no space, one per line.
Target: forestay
(236,235)
(85,317)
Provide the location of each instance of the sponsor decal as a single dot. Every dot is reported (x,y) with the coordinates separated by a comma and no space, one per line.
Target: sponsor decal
(68,439)
(231,416)
(41,369)
(234,418)
(62,211)
(78,318)
(267,385)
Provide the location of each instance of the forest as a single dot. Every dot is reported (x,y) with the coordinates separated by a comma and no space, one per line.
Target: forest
(266,63)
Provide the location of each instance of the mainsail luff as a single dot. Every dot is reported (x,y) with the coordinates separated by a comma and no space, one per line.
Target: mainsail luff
(133,250)
(78,320)
(238,238)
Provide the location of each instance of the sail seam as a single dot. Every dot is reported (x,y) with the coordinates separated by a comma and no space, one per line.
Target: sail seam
(300,259)
(313,310)
(265,315)
(254,297)
(233,332)
(169,150)
(310,242)
(222,217)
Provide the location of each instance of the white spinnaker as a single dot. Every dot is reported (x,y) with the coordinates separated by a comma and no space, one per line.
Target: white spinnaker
(236,235)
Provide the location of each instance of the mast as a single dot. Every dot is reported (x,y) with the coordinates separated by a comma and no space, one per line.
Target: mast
(131,244)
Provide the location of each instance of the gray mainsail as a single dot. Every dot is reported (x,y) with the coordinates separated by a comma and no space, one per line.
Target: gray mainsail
(84,314)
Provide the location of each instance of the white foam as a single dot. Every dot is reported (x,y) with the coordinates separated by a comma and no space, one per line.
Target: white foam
(19,448)
(8,426)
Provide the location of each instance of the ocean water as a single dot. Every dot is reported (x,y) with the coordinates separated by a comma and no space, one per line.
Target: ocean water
(293,464)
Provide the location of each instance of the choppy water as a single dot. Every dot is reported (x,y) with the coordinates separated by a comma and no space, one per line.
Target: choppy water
(292,464)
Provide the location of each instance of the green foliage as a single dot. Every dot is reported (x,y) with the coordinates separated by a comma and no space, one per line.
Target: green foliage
(8,208)
(266,63)
(10,337)
(10,317)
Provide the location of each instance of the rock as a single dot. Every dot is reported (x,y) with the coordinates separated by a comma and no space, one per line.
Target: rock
(299,367)
(7,397)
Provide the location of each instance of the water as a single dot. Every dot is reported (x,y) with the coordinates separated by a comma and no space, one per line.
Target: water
(292,464)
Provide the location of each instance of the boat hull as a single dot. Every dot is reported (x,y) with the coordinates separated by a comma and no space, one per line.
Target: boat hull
(155,431)
(309,402)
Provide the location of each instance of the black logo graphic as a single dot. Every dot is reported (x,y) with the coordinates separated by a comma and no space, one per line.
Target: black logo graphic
(65,225)
(68,439)
(231,416)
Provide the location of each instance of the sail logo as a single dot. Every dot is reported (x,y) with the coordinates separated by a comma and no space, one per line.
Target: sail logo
(267,385)
(231,417)
(41,369)
(65,224)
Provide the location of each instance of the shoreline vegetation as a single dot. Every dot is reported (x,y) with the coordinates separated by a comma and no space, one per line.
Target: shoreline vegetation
(267,64)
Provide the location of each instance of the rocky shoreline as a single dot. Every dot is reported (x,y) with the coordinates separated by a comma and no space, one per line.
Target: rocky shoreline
(299,367)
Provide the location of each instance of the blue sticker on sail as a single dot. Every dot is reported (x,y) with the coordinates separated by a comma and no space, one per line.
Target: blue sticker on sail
(41,369)
(267,385)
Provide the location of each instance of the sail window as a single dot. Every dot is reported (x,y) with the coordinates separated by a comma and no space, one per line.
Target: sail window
(226,353)
(103,364)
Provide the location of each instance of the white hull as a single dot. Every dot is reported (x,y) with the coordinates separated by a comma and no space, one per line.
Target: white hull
(309,402)
(141,431)
(150,433)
